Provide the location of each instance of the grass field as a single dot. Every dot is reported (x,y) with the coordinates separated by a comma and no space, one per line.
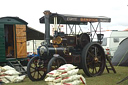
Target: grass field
(105,79)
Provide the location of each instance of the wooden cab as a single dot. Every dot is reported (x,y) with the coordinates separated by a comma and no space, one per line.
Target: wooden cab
(12,38)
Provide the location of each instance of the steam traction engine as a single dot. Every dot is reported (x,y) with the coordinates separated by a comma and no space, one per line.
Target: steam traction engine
(72,47)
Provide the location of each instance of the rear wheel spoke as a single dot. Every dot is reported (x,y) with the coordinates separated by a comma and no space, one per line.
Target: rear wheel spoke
(95,70)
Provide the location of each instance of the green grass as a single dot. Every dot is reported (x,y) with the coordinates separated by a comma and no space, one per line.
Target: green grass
(105,79)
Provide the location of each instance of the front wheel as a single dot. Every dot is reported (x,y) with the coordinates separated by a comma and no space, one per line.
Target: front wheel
(35,69)
(55,63)
(93,59)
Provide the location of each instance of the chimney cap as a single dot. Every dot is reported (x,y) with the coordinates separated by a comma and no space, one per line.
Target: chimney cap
(47,12)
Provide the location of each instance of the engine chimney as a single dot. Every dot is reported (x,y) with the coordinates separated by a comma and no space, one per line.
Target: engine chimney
(47,26)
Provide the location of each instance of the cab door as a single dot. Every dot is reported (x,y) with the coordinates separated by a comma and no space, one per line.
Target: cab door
(20,37)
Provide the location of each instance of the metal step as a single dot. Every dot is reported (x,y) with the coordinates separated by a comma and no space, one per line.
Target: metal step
(18,66)
(110,66)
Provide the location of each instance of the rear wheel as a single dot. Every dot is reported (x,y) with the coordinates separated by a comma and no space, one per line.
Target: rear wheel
(55,63)
(93,59)
(35,69)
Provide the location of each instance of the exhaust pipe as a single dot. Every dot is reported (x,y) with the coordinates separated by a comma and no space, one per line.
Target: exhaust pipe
(47,26)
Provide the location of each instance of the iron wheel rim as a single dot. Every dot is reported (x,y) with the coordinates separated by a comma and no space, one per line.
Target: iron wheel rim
(35,69)
(93,59)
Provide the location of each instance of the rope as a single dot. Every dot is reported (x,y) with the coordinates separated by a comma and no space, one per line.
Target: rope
(122,58)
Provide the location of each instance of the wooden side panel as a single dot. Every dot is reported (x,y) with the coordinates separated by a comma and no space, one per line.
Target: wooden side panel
(21,41)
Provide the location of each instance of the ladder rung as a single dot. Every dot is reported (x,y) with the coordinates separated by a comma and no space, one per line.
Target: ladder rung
(22,71)
(111,66)
(110,69)
(18,66)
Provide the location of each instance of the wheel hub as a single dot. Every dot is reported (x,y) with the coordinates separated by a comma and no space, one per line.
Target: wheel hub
(36,68)
(96,59)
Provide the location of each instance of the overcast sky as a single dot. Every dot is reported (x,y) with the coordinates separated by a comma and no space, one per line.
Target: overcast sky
(32,10)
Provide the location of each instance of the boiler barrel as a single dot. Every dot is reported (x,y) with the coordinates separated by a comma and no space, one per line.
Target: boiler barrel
(46,51)
(57,50)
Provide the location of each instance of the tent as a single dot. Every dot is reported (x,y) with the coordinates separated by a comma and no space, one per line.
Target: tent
(121,55)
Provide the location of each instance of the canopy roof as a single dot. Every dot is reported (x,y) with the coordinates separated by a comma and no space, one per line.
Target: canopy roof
(33,34)
(75,19)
